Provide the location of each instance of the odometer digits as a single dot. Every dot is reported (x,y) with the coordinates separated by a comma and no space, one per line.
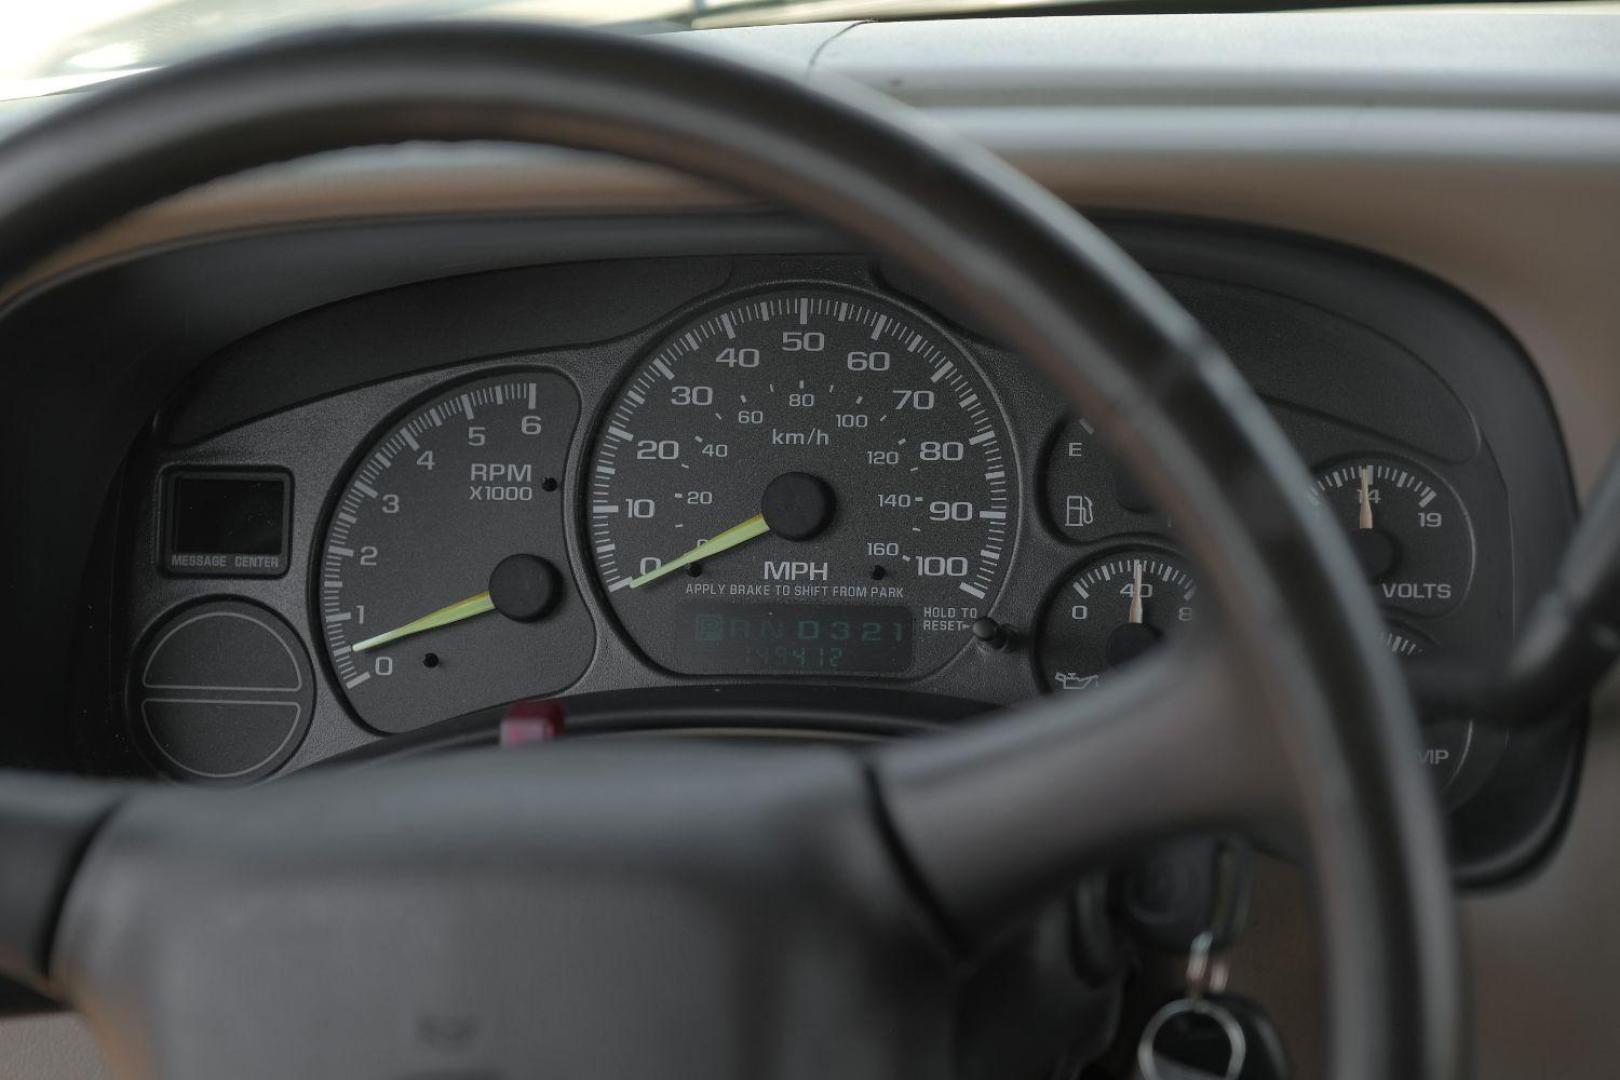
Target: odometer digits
(788,471)
(799,637)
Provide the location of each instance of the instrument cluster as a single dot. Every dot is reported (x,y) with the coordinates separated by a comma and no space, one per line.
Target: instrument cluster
(810,475)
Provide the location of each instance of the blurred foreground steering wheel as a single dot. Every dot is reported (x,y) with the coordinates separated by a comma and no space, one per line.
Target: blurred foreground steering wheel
(709,910)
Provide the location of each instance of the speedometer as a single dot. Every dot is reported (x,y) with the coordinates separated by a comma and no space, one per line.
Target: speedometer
(805,480)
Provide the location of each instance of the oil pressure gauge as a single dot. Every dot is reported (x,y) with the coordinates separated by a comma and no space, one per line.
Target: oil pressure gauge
(1111,611)
(1410,533)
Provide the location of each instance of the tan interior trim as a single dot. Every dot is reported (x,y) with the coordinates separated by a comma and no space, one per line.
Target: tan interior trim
(1535,245)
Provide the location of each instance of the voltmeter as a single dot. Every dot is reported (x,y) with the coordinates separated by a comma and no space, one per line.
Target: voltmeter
(1410,533)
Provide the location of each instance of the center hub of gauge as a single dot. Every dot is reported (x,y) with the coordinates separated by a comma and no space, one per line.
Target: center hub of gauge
(524,587)
(1127,641)
(798,506)
(1375,551)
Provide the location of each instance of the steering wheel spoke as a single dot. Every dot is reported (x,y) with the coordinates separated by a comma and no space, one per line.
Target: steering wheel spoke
(1000,817)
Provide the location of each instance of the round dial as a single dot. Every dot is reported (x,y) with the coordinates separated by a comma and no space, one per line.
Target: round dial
(1113,610)
(1409,532)
(809,479)
(1446,743)
(1403,642)
(440,587)
(1089,494)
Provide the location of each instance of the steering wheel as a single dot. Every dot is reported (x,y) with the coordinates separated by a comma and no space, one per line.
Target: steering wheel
(584,910)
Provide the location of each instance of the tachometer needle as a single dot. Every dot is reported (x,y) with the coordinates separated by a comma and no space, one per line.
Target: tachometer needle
(1366,520)
(1135,614)
(737,534)
(452,613)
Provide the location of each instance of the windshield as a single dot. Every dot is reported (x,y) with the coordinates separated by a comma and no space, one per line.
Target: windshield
(63,44)
(58,45)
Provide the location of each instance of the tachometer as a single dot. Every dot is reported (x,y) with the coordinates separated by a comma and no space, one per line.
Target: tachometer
(809,479)
(442,584)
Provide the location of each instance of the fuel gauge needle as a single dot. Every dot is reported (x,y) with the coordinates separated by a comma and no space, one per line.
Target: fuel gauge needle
(451,613)
(1366,519)
(1135,614)
(740,533)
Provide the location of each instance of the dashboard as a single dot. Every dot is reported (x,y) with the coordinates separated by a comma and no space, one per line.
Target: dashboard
(1438,186)
(777,489)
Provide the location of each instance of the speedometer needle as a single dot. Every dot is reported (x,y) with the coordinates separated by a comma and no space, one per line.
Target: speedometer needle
(451,613)
(740,533)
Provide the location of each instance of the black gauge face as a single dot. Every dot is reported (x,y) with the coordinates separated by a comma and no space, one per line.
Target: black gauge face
(1112,611)
(441,585)
(807,480)
(1409,532)
(1446,743)
(1088,492)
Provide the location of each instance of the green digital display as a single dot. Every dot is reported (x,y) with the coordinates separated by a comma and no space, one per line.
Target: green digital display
(797,638)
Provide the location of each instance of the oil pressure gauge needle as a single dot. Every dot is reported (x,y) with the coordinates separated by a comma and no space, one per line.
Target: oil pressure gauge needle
(1135,635)
(740,533)
(451,613)
(1135,613)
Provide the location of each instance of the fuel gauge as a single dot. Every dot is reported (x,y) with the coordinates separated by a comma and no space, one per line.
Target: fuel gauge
(1089,492)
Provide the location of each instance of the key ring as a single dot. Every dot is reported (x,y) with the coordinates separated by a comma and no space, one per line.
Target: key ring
(1148,1056)
(1198,1057)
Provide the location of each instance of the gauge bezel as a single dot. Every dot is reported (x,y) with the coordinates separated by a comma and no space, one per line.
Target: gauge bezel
(255,397)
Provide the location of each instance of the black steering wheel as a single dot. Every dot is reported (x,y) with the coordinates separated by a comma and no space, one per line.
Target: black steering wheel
(709,910)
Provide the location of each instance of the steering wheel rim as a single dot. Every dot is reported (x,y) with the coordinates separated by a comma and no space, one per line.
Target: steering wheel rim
(1300,677)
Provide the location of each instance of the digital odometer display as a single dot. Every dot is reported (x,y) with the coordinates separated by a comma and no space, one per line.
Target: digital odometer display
(789,638)
(795,465)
